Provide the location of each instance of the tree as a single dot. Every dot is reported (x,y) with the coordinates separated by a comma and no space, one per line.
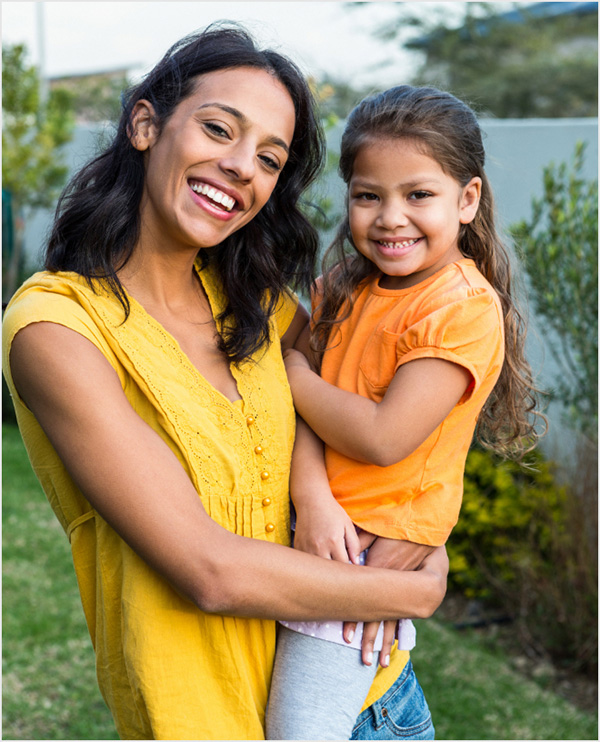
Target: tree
(95,97)
(33,132)
(558,248)
(508,60)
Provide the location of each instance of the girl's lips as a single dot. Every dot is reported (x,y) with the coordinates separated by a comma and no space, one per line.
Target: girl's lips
(396,247)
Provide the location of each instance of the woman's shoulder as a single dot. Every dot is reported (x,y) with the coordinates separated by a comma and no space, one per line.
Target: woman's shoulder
(44,285)
(60,298)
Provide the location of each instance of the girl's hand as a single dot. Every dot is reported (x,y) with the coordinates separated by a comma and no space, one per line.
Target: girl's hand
(391,554)
(324,529)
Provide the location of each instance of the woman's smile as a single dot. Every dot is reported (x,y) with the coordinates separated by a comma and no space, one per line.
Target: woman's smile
(218,200)
(215,163)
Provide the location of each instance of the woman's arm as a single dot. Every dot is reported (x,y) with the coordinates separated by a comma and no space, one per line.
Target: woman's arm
(420,396)
(136,483)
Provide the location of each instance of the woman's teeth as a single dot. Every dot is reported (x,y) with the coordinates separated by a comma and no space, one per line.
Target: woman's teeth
(214,194)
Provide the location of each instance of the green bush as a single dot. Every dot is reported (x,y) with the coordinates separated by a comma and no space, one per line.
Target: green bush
(558,248)
(522,544)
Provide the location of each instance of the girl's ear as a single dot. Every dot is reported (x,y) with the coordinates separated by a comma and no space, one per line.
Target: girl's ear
(142,130)
(469,202)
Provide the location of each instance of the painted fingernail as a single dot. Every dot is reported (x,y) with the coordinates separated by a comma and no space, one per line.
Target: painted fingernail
(350,636)
(369,659)
(386,662)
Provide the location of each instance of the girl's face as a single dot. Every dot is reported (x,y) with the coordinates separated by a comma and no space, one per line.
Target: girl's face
(217,159)
(405,211)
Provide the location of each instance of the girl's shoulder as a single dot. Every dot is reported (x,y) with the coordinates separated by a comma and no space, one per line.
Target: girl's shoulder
(460,281)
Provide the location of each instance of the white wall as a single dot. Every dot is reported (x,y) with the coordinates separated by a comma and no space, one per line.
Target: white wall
(517,151)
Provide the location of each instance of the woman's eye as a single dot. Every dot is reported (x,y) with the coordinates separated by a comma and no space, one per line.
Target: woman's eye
(270,163)
(216,129)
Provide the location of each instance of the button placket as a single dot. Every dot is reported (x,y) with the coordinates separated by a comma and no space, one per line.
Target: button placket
(264,474)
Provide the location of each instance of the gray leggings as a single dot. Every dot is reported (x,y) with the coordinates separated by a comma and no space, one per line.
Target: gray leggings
(318,688)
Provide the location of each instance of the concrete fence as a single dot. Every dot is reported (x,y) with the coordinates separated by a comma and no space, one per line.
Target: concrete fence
(517,151)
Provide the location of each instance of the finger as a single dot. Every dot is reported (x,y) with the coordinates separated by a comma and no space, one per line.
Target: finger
(338,552)
(368,641)
(389,636)
(349,631)
(353,544)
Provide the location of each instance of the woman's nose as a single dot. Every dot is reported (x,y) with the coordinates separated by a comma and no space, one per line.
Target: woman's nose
(240,162)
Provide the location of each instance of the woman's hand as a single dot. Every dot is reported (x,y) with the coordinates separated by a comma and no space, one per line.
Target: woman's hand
(391,554)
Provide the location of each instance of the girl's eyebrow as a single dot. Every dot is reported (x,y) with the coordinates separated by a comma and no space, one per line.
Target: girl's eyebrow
(365,183)
(244,121)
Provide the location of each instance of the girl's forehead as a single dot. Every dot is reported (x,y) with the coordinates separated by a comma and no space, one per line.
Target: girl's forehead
(395,152)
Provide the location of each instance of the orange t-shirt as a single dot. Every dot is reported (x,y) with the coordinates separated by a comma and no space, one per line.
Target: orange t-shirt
(454,315)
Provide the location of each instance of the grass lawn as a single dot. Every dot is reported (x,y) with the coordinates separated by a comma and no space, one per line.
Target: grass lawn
(49,685)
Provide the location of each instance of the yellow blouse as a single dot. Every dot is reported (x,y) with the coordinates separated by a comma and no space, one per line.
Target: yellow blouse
(166,669)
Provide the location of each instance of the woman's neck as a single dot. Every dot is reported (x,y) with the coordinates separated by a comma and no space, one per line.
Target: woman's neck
(163,279)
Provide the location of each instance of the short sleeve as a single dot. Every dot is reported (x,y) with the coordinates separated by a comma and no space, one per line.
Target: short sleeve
(36,304)
(464,329)
(285,311)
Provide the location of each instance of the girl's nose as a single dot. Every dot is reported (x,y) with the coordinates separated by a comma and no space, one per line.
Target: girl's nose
(240,162)
(391,216)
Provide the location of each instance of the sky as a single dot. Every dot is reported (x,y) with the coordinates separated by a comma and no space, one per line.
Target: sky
(321,37)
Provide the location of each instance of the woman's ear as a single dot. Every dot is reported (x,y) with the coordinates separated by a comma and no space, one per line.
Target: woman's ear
(469,202)
(142,130)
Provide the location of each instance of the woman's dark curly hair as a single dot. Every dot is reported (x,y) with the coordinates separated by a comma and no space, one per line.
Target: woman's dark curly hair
(97,223)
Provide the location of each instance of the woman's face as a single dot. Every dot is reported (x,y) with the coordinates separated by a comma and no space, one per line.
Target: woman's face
(217,159)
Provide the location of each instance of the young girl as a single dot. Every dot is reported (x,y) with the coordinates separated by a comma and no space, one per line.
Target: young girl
(418,342)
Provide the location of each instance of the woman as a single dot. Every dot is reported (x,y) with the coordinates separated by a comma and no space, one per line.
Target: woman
(146,369)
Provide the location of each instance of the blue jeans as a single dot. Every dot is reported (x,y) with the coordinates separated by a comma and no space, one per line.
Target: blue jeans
(401,713)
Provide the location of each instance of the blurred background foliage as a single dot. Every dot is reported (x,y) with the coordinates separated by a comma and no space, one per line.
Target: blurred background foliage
(34,128)
(508,60)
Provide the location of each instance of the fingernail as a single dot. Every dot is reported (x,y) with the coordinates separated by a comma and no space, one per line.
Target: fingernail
(369,660)
(386,662)
(350,636)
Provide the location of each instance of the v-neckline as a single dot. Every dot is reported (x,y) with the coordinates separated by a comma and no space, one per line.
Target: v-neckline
(238,403)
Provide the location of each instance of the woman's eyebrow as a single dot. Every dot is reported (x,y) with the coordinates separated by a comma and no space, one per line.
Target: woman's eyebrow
(243,119)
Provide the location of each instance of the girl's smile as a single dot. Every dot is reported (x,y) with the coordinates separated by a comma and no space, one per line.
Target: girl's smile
(405,212)
(398,247)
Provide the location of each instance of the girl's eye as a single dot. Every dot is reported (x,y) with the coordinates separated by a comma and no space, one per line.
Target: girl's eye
(420,195)
(270,163)
(216,129)
(365,196)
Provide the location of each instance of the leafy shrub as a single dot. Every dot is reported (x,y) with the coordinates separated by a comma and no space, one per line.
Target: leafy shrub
(558,248)
(523,543)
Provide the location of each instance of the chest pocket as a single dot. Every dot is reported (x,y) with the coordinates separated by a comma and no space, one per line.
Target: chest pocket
(378,363)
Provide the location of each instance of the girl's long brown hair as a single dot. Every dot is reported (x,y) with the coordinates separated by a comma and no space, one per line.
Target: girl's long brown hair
(448,131)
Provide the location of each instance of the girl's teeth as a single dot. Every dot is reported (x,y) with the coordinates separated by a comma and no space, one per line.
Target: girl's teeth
(406,243)
(217,196)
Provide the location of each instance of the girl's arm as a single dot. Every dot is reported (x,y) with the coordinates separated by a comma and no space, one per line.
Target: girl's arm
(420,396)
(322,525)
(136,483)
